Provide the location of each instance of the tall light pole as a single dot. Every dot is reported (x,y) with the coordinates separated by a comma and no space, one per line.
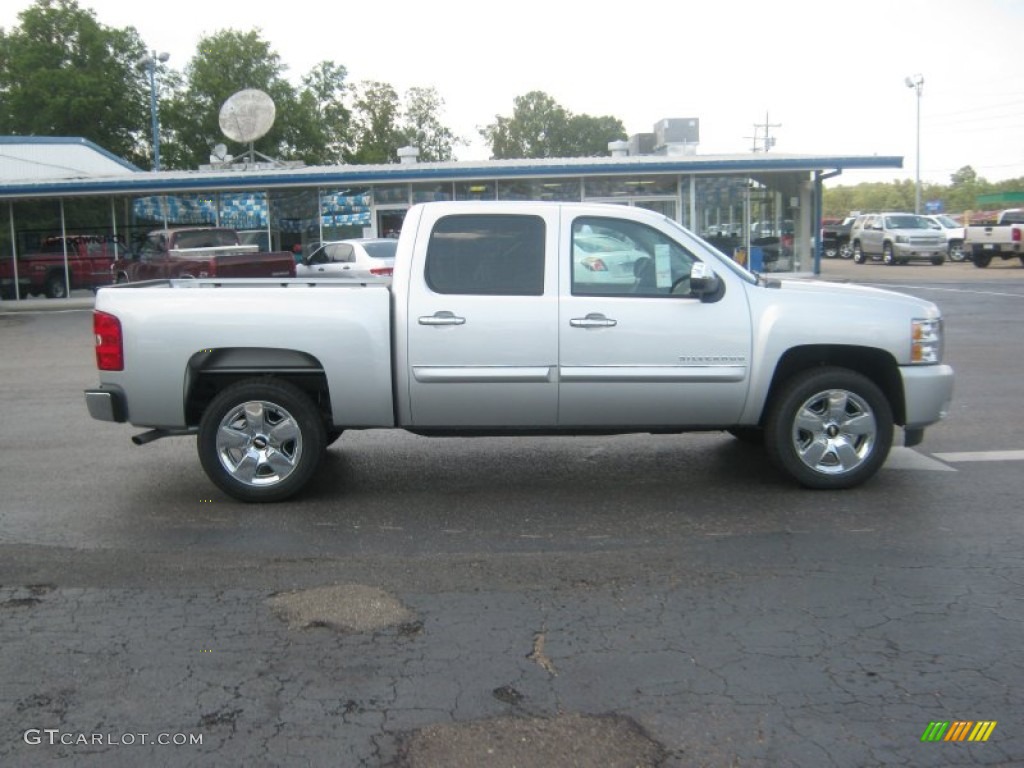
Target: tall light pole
(150,62)
(917,83)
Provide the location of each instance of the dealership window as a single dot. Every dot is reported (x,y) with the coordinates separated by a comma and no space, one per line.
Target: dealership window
(631,185)
(429,193)
(559,190)
(475,190)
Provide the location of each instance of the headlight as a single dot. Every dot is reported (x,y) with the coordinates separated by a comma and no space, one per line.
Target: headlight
(902,239)
(926,341)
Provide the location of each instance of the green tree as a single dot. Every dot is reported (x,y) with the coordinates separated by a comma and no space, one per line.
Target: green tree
(541,127)
(320,126)
(62,73)
(226,62)
(964,189)
(588,136)
(376,132)
(422,129)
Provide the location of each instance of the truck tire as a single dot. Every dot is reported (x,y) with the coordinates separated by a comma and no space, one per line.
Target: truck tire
(829,428)
(939,259)
(956,251)
(261,440)
(858,253)
(845,251)
(981,260)
(887,254)
(56,288)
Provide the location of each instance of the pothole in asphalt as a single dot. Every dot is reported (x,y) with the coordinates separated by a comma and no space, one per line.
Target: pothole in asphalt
(611,741)
(345,607)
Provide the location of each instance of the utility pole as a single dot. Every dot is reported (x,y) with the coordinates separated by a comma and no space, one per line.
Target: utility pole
(150,62)
(768,140)
(917,83)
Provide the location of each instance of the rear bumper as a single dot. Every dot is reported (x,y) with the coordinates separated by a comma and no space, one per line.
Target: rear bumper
(927,393)
(106,404)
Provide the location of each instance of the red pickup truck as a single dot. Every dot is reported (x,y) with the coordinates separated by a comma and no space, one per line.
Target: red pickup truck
(42,271)
(200,252)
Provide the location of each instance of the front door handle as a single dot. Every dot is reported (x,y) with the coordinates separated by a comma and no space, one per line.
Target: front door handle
(593,320)
(442,318)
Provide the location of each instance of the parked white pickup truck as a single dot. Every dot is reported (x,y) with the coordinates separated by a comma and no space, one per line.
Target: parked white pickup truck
(999,237)
(522,318)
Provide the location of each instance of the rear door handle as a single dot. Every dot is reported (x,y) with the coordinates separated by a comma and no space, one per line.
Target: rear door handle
(442,318)
(593,320)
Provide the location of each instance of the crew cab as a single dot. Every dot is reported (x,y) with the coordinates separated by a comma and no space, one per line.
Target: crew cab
(42,271)
(996,236)
(494,324)
(198,252)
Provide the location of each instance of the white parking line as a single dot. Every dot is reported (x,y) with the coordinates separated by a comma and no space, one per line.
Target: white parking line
(981,456)
(908,458)
(897,287)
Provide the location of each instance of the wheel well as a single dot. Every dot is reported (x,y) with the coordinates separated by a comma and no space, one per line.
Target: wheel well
(212,370)
(57,273)
(878,365)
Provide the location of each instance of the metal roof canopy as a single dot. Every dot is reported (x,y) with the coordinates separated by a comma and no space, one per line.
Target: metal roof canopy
(40,159)
(164,182)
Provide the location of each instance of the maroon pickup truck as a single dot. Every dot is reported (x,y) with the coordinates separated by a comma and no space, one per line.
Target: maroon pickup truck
(42,271)
(200,252)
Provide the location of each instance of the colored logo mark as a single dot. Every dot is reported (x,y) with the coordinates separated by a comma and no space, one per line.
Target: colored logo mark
(958,730)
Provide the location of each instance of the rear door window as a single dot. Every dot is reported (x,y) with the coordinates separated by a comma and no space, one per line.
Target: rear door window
(487,254)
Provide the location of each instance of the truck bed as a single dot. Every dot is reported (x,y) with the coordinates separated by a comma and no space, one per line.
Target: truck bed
(342,328)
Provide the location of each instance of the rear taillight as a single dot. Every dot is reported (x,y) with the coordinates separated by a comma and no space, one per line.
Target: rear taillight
(109,342)
(1016,234)
(382,271)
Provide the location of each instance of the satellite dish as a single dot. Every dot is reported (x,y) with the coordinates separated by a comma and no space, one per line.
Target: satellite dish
(247,115)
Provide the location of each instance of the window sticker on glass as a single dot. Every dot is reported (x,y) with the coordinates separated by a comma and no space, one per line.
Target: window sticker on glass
(662,265)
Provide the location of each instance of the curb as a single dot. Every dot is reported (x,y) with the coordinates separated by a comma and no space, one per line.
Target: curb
(9,307)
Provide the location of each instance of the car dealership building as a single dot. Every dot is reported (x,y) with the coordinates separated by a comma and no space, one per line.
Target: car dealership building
(763,204)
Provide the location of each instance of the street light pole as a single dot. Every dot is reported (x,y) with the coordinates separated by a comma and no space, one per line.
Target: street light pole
(917,83)
(150,63)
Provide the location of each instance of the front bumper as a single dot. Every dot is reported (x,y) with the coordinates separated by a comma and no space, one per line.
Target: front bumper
(927,394)
(910,251)
(106,404)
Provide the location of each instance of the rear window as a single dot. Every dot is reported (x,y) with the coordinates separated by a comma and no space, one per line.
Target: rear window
(487,254)
(385,249)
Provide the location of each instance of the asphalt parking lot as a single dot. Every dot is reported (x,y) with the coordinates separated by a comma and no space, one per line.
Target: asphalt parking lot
(630,600)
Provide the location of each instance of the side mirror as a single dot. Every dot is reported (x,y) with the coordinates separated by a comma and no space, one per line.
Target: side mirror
(704,282)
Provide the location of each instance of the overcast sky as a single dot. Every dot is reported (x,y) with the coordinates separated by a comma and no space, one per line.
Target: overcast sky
(830,72)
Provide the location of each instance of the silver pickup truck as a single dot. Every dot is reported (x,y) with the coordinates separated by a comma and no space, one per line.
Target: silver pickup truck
(522,318)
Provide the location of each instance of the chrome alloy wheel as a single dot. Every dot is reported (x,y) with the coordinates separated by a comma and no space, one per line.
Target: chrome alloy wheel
(259,443)
(834,431)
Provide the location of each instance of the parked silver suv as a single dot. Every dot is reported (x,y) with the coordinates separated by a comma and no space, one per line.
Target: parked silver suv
(896,238)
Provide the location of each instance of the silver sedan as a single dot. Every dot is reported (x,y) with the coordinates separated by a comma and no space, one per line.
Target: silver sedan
(359,258)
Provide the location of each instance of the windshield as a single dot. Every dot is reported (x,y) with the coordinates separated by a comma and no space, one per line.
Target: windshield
(908,221)
(384,249)
(699,245)
(947,221)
